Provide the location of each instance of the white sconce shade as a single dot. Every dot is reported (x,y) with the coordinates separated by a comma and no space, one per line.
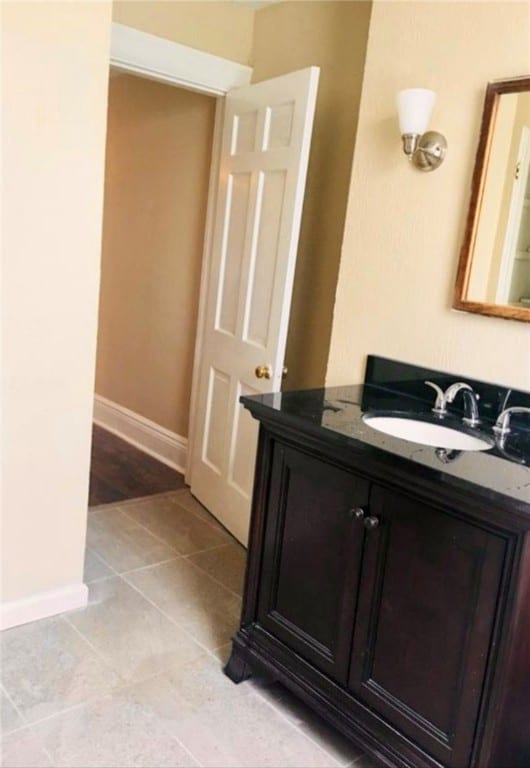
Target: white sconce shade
(414,106)
(425,149)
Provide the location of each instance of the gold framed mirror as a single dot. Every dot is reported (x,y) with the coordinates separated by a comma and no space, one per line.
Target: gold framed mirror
(493,275)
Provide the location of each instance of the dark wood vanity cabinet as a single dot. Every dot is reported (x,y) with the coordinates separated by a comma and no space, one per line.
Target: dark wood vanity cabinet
(385,604)
(424,623)
(312,562)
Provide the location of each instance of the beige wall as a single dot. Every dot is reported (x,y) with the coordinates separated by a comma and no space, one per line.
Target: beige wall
(159,143)
(54,81)
(403,234)
(221,28)
(404,228)
(333,36)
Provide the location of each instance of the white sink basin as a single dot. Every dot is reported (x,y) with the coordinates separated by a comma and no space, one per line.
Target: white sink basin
(427,433)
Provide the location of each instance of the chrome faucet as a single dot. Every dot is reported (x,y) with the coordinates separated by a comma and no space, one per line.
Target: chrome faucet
(471,398)
(502,425)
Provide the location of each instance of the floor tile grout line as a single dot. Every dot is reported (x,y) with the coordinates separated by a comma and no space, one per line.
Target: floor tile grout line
(166,494)
(105,562)
(117,689)
(133,500)
(168,617)
(91,700)
(197,516)
(170,560)
(220,583)
(298,729)
(85,639)
(154,565)
(96,554)
(26,729)
(212,524)
(46,751)
(100,579)
(101,508)
(358,760)
(215,657)
(162,541)
(184,747)
(161,562)
(123,685)
(154,535)
(208,549)
(173,736)
(151,565)
(32,727)
(218,648)
(15,707)
(216,526)
(97,697)
(197,567)
(140,525)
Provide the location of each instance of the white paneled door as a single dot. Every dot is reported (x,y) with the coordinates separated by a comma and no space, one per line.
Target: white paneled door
(265,148)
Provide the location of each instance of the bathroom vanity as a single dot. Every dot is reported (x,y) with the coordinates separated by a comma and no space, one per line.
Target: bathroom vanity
(386,585)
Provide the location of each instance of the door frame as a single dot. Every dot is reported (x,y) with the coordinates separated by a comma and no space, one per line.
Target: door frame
(160,59)
(514,219)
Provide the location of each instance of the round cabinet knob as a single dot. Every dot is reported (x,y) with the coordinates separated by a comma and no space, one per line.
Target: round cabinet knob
(357,512)
(263,371)
(371,522)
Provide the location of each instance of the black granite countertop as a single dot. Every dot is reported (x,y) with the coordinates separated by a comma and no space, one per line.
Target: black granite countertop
(337,413)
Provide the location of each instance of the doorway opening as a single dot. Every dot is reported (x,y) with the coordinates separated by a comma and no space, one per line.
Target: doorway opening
(261,140)
(158,158)
(159,61)
(145,521)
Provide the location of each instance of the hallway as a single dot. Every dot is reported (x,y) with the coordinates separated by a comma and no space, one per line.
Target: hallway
(119,471)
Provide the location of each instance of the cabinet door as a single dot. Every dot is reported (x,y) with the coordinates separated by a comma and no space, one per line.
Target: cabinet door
(427,600)
(311,559)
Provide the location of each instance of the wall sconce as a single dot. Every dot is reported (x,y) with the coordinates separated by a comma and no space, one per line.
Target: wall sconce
(425,149)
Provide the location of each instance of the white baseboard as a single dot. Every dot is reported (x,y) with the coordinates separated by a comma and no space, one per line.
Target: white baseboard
(151,438)
(40,606)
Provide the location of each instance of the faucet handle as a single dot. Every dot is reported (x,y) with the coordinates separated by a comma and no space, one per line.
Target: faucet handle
(439,406)
(502,425)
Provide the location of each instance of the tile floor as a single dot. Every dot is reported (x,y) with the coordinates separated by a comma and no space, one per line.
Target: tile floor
(135,679)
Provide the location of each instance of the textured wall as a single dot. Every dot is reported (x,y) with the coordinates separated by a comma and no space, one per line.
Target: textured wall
(404,229)
(159,142)
(221,28)
(54,95)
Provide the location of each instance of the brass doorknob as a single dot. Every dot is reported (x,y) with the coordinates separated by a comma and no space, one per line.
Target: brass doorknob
(263,372)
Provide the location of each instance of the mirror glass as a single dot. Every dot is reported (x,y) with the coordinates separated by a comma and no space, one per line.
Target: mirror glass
(494,270)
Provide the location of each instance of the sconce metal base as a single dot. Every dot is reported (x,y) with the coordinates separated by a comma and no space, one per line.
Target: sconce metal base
(430,151)
(425,152)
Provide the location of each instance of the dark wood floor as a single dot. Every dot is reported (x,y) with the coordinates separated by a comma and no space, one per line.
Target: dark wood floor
(119,471)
